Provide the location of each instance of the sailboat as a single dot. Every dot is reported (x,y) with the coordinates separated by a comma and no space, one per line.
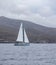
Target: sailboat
(22,39)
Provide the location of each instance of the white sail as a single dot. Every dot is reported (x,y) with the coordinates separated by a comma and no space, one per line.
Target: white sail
(22,37)
(20,34)
(25,37)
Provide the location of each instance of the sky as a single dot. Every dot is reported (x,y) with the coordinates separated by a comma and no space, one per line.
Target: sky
(41,12)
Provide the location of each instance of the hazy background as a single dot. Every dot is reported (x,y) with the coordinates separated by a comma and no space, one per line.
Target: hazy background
(38,11)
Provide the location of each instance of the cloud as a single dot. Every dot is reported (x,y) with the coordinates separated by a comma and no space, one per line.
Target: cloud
(38,11)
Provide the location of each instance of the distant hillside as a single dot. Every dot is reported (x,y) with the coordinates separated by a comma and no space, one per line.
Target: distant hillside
(36,33)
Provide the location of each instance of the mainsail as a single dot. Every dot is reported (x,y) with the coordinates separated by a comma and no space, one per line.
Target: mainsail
(22,37)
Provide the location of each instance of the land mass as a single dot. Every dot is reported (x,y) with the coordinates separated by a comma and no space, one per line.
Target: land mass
(9,29)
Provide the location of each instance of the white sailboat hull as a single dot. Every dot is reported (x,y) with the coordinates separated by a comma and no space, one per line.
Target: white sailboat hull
(21,44)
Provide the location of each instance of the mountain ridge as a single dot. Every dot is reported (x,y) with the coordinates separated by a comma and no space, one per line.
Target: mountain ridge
(36,33)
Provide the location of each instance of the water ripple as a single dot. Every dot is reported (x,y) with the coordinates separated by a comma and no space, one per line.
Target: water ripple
(38,54)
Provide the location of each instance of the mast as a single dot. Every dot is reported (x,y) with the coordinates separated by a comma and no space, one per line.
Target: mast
(23,33)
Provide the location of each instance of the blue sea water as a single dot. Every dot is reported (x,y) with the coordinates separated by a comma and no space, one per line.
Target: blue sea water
(35,54)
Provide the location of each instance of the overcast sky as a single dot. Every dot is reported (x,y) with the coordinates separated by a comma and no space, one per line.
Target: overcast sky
(38,11)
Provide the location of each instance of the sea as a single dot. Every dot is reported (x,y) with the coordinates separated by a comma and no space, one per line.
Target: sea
(34,54)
